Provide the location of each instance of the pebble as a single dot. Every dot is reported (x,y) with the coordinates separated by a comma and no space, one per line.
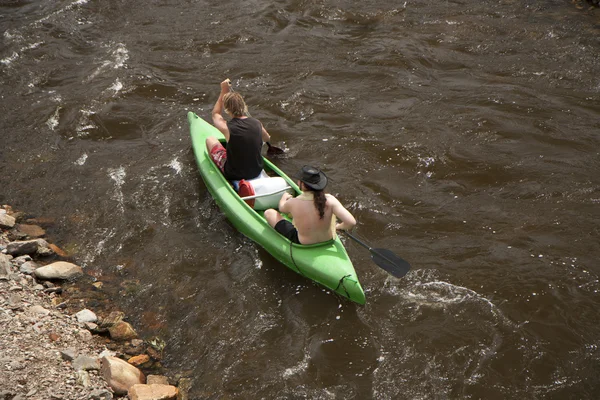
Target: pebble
(38,310)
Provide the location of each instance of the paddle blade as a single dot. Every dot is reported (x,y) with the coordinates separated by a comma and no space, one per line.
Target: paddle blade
(274,150)
(390,262)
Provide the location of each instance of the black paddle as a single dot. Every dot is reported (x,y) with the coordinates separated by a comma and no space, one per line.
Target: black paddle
(385,259)
(272,150)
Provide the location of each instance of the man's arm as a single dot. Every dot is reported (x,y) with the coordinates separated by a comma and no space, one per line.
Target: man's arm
(218,119)
(284,206)
(265,135)
(348,221)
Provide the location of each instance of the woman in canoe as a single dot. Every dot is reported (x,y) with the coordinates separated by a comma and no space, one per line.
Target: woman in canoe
(313,211)
(244,136)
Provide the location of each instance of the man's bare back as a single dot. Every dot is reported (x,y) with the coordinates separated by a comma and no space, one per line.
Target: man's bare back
(311,228)
(309,224)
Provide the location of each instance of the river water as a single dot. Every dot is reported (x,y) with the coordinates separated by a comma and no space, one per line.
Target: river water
(463,135)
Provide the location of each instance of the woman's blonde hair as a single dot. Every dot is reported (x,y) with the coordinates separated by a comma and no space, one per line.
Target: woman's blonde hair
(234,104)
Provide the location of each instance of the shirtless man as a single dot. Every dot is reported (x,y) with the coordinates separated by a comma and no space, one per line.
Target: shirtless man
(313,211)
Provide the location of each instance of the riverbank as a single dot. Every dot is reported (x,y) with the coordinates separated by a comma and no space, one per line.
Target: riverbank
(52,349)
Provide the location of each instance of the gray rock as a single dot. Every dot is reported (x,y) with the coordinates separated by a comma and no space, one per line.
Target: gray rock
(85,363)
(22,247)
(85,336)
(83,378)
(90,326)
(86,315)
(5,267)
(7,221)
(38,310)
(15,234)
(59,270)
(21,259)
(14,301)
(28,267)
(17,364)
(107,353)
(68,354)
(100,394)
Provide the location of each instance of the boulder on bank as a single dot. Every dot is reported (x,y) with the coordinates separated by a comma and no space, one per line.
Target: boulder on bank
(33,231)
(120,375)
(7,221)
(58,270)
(153,392)
(86,315)
(35,246)
(28,267)
(122,331)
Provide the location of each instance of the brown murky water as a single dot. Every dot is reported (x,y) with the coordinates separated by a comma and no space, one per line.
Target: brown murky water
(463,135)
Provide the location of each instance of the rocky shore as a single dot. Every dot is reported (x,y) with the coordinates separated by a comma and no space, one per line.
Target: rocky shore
(50,351)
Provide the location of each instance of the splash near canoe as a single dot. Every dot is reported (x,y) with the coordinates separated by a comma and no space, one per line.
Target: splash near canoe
(326,263)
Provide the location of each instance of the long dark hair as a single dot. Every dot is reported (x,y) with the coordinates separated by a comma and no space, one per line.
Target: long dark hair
(319,200)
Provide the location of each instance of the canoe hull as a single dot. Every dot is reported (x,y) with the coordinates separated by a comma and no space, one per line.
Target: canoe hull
(325,263)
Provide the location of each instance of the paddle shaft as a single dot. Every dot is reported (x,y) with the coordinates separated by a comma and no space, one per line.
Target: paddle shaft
(256,196)
(395,265)
(366,246)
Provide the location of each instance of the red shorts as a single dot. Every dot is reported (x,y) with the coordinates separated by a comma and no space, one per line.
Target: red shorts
(219,156)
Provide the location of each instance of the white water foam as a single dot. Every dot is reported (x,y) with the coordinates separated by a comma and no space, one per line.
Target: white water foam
(118,56)
(117,86)
(15,36)
(302,366)
(84,124)
(257,260)
(9,60)
(52,122)
(176,165)
(14,56)
(118,175)
(62,10)
(81,160)
(439,294)
(98,245)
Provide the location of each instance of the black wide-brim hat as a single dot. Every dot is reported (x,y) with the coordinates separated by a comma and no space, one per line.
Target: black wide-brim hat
(312,177)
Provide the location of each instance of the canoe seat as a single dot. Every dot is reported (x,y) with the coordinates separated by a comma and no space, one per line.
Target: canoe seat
(271,190)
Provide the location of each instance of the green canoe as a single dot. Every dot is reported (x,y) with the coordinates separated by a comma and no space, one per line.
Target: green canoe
(325,263)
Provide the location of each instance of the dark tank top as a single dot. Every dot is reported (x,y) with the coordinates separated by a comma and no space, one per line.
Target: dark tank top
(244,160)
